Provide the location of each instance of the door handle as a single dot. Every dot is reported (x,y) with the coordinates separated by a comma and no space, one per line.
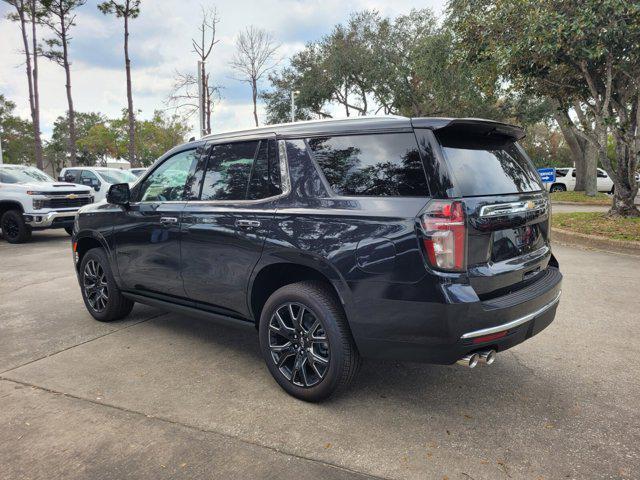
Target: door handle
(168,220)
(247,223)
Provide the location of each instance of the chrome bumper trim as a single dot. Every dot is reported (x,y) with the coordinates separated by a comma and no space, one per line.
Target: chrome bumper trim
(49,217)
(514,323)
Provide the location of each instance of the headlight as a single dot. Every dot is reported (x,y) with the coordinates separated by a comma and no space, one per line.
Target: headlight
(33,192)
(38,204)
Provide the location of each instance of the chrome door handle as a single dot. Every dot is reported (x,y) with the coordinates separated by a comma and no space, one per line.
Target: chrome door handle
(247,223)
(168,220)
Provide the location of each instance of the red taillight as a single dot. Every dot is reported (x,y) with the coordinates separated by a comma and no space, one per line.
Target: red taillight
(445,234)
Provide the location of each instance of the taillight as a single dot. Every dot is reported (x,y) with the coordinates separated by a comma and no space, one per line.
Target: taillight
(445,234)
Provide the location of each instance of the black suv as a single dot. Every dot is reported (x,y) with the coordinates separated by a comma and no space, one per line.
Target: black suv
(423,239)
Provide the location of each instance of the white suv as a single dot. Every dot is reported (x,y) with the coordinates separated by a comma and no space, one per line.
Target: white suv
(32,200)
(566,181)
(98,178)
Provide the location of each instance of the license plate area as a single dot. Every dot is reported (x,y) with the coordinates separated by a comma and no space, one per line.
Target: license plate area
(514,242)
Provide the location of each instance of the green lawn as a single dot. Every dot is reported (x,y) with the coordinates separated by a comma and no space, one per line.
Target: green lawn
(593,223)
(580,197)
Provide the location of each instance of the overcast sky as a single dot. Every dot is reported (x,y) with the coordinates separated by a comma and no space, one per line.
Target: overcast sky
(160,43)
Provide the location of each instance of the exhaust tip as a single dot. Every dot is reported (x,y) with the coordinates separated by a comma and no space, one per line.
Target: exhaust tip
(470,360)
(487,357)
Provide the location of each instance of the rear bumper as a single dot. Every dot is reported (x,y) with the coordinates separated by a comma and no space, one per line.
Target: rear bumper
(57,219)
(443,332)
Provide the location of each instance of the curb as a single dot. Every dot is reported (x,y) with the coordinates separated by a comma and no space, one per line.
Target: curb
(586,204)
(595,242)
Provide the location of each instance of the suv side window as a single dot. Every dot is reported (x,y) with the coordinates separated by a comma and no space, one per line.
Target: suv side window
(371,165)
(265,175)
(228,171)
(89,178)
(167,182)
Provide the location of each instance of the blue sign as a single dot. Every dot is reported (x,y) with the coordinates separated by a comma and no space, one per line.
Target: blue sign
(548,175)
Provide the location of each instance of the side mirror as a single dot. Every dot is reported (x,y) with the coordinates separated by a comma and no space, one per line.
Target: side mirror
(119,194)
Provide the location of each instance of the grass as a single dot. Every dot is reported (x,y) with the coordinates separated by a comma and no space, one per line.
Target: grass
(594,223)
(580,197)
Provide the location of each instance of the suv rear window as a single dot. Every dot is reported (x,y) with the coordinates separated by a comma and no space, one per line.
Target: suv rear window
(489,168)
(371,165)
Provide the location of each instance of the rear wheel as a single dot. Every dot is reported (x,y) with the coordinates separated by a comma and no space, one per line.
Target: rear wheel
(101,295)
(558,187)
(14,228)
(306,342)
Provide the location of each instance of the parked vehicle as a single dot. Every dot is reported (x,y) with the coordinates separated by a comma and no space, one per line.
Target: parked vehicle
(138,171)
(98,178)
(420,239)
(566,181)
(32,200)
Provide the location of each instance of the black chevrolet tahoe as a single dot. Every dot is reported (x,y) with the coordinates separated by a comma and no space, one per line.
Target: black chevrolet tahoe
(423,239)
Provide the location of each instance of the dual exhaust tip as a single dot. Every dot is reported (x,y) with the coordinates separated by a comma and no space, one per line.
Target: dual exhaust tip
(470,360)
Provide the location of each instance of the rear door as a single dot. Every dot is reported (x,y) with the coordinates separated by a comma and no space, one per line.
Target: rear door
(506,206)
(223,232)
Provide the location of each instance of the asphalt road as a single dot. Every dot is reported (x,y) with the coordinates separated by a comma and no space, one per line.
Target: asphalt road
(161,396)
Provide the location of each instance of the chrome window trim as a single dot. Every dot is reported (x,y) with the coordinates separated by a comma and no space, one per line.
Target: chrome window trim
(514,323)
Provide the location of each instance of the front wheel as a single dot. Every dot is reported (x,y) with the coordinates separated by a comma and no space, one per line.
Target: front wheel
(14,228)
(306,342)
(101,295)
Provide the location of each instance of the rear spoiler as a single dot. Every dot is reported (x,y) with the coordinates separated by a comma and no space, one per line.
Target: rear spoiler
(477,127)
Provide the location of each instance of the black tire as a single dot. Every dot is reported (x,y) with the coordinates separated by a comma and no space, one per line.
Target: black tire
(558,187)
(14,229)
(313,381)
(101,284)
(69,230)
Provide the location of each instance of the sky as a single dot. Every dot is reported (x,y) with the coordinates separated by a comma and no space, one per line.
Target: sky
(160,44)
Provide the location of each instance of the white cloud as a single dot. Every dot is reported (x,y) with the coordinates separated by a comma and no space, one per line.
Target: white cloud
(160,44)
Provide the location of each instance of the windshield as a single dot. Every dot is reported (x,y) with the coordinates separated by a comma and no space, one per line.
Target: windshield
(24,175)
(117,176)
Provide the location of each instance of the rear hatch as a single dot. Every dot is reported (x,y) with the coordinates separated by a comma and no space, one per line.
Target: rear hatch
(505,205)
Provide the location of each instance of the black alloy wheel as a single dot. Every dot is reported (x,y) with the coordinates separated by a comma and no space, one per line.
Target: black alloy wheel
(299,344)
(94,282)
(14,228)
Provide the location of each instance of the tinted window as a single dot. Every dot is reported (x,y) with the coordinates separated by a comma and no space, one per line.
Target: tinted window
(265,176)
(89,178)
(167,182)
(480,168)
(376,165)
(228,171)
(72,176)
(561,172)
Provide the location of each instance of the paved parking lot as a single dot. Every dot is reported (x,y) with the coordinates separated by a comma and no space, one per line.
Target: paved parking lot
(161,396)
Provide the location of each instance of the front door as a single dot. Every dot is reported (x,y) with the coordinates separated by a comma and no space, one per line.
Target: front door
(224,231)
(148,233)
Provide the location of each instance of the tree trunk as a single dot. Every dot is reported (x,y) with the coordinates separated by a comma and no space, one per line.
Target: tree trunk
(72,114)
(590,172)
(132,124)
(577,145)
(254,92)
(625,187)
(27,50)
(36,93)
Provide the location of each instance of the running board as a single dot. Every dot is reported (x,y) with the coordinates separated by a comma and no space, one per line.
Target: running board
(190,311)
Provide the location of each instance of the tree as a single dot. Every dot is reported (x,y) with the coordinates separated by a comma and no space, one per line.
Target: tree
(59,16)
(17,135)
(126,9)
(585,56)
(158,135)
(254,57)
(184,95)
(27,11)
(57,148)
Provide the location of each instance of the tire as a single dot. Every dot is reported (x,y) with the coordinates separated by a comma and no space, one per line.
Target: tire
(95,270)
(557,187)
(302,372)
(69,230)
(14,229)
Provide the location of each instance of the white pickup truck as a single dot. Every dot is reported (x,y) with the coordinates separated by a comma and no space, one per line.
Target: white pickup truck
(32,200)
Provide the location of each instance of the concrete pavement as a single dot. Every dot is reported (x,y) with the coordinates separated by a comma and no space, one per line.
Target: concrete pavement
(160,396)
